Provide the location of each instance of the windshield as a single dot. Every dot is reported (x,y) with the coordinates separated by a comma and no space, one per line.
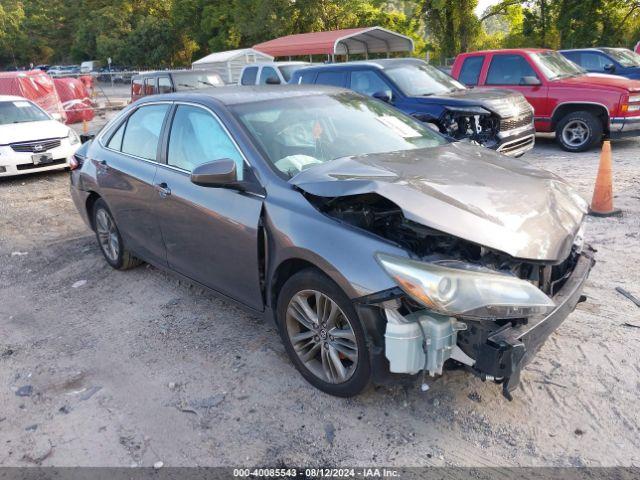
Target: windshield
(624,57)
(418,80)
(287,70)
(195,80)
(20,111)
(555,65)
(299,133)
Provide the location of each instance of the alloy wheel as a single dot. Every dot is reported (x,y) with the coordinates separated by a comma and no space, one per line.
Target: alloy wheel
(576,133)
(322,336)
(107,235)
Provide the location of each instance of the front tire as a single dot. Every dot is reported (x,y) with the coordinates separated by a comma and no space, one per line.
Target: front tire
(110,240)
(323,335)
(579,131)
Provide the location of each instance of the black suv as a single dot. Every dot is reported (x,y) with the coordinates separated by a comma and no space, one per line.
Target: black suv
(498,119)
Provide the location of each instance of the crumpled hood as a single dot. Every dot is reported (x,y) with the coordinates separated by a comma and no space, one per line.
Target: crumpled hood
(466,191)
(30,131)
(506,103)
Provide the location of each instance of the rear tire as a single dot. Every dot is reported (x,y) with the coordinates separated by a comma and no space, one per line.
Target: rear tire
(330,353)
(579,131)
(110,240)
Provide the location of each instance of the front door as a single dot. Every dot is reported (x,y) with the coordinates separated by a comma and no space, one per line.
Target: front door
(125,175)
(211,234)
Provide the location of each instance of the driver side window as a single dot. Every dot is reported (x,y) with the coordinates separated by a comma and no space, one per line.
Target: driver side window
(508,70)
(367,82)
(197,137)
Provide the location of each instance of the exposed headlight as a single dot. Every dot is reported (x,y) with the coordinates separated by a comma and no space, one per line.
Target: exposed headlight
(634,98)
(466,292)
(73,137)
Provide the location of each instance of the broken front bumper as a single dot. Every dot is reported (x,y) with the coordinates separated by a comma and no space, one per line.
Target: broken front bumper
(490,351)
(509,349)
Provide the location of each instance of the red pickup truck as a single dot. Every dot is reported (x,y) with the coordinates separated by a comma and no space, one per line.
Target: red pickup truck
(577,106)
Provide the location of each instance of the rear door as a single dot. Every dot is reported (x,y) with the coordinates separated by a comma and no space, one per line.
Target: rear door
(507,70)
(211,234)
(471,69)
(125,175)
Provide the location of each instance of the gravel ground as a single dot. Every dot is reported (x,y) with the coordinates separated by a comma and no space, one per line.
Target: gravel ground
(107,368)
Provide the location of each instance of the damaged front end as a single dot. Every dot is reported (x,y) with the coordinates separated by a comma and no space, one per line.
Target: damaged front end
(457,302)
(476,124)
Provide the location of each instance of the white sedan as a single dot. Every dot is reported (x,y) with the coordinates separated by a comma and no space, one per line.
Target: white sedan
(31,140)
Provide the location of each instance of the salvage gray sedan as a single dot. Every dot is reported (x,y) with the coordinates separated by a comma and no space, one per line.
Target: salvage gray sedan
(378,246)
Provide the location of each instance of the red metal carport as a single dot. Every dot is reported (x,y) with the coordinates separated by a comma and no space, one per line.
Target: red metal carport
(338,42)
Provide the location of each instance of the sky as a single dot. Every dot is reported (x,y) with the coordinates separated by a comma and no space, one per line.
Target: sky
(483,4)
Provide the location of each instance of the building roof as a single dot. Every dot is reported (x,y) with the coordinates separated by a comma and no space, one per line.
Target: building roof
(338,42)
(230,55)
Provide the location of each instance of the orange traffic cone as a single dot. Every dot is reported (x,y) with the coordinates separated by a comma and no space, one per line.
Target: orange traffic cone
(85,127)
(602,202)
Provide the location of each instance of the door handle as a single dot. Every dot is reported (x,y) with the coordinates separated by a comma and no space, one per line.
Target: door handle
(163,190)
(102,163)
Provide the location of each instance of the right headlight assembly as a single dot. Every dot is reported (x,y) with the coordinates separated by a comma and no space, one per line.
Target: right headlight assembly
(466,292)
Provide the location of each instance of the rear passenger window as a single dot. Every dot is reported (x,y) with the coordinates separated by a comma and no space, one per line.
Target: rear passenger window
(508,70)
(470,71)
(367,82)
(142,133)
(164,85)
(149,86)
(337,79)
(249,76)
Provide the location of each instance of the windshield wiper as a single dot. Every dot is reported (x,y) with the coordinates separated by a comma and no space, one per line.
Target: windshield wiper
(186,85)
(207,83)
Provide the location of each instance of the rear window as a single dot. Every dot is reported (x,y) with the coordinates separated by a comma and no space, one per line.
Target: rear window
(337,79)
(470,71)
(249,76)
(136,86)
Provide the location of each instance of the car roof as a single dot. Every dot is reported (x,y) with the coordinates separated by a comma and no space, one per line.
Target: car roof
(593,49)
(237,95)
(164,72)
(508,50)
(13,98)
(380,64)
(276,64)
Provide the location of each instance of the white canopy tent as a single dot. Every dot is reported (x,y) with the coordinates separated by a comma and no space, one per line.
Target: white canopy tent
(230,63)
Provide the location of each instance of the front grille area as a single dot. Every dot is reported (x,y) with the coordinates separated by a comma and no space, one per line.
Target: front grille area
(37,146)
(31,166)
(516,122)
(516,145)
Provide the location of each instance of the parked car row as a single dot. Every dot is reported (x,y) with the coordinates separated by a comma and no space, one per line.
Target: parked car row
(515,93)
(577,106)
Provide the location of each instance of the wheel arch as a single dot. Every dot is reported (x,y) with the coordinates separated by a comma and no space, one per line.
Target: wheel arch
(285,270)
(598,109)
(89,203)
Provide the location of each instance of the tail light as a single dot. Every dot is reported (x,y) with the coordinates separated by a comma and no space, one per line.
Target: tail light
(76,162)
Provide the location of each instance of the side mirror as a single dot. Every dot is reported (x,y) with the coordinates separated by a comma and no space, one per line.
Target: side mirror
(273,81)
(384,95)
(530,81)
(219,173)
(610,67)
(56,116)
(86,137)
